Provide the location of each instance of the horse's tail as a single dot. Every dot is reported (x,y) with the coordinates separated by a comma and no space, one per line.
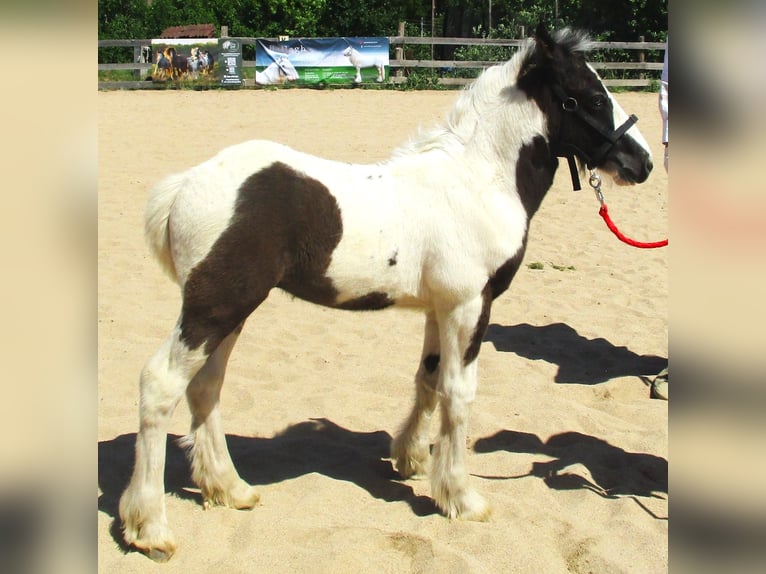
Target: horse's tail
(156,220)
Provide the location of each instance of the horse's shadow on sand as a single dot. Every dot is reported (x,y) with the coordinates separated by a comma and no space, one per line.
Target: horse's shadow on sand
(614,472)
(314,446)
(580,360)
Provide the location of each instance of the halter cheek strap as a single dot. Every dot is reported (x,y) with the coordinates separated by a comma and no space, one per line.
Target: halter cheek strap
(569,151)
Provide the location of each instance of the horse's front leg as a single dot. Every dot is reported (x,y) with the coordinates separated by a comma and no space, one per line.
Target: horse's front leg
(461,330)
(410,450)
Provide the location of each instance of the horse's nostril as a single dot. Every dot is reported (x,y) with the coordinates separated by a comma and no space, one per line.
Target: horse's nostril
(649,165)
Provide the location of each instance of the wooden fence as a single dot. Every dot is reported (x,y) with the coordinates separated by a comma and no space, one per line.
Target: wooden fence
(400,66)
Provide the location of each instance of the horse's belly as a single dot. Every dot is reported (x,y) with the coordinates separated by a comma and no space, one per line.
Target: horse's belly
(373,274)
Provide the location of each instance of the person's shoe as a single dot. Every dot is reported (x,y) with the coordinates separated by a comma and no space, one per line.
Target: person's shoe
(659,388)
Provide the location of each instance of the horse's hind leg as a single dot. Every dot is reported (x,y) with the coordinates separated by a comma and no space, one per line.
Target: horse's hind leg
(410,450)
(142,505)
(211,464)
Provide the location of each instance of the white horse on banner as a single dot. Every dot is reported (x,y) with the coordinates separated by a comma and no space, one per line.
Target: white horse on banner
(279,71)
(360,61)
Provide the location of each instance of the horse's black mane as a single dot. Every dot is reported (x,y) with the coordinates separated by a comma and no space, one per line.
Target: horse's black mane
(482,96)
(572,40)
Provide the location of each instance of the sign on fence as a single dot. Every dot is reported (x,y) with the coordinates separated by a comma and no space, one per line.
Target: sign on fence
(321,61)
(230,59)
(198,61)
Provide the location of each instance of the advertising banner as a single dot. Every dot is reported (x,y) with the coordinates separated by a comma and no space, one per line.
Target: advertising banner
(185,59)
(321,61)
(198,61)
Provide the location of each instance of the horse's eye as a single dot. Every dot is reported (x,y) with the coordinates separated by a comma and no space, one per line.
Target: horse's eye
(598,102)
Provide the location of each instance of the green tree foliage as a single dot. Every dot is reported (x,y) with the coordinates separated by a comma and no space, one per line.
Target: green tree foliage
(623,20)
(122,19)
(618,20)
(370,18)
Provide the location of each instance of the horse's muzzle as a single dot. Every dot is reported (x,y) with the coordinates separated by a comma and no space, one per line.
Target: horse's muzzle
(645,170)
(631,173)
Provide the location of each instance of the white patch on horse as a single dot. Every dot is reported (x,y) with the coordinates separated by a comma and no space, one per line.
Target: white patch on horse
(620,117)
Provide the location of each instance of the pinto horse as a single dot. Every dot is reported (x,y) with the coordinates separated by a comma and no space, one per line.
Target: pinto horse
(441,226)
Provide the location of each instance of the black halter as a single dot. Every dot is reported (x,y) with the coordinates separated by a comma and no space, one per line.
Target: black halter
(569,151)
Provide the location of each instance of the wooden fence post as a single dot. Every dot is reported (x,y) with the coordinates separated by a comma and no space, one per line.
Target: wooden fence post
(137,59)
(641,59)
(399,51)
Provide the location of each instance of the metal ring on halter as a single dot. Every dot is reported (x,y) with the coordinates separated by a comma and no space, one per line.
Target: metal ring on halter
(570,104)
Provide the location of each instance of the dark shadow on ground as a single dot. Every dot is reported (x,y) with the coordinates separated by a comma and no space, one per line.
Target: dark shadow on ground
(314,446)
(614,471)
(580,360)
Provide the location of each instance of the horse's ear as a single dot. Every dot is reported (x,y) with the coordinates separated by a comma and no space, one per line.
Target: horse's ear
(543,38)
(539,59)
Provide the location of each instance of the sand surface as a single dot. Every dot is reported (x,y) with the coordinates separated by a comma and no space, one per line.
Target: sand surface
(564,440)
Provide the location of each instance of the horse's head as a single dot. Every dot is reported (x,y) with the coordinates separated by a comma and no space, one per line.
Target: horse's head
(584,120)
(347,51)
(287,69)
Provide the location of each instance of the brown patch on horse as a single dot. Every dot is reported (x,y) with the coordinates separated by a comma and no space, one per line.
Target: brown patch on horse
(371,302)
(534,174)
(284,230)
(472,351)
(431,363)
(282,234)
(496,284)
(535,170)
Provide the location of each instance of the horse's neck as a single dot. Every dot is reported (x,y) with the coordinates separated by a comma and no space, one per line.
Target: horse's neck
(266,75)
(514,162)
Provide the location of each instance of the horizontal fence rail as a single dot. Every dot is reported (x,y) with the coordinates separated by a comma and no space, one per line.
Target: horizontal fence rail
(399,65)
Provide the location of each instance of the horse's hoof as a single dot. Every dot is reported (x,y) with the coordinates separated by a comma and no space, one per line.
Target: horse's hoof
(478,510)
(241,497)
(408,467)
(157,551)
(246,500)
(160,555)
(412,462)
(152,538)
(468,505)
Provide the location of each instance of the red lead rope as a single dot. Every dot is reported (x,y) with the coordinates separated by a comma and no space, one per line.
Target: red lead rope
(604,213)
(595,183)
